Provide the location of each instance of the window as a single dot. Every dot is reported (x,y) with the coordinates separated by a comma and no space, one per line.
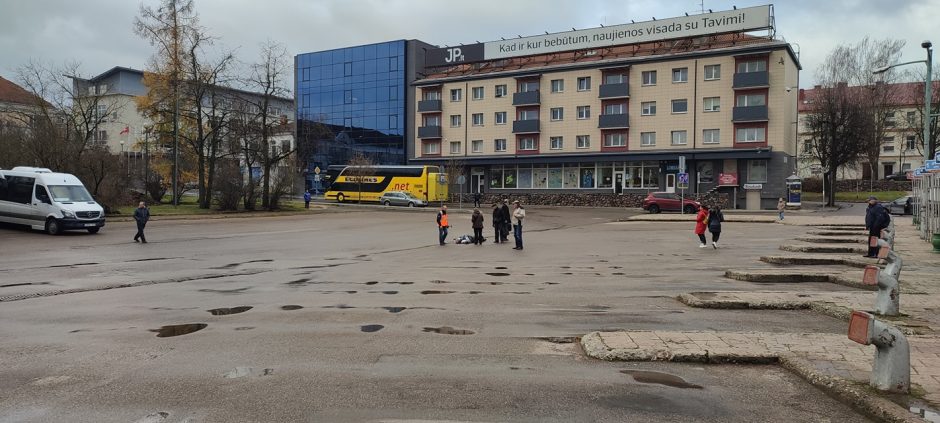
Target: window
(680,75)
(476,146)
(679,138)
(347,69)
(558,113)
(584,141)
(556,143)
(477,119)
(455,147)
(648,108)
(649,77)
(887,148)
(711,136)
(454,121)
(614,140)
(478,93)
(101,135)
(615,109)
(911,116)
(750,135)
(712,72)
(712,104)
(527,143)
(614,78)
(101,111)
(584,112)
(751,100)
(887,144)
(584,83)
(647,139)
(432,148)
(500,118)
(393,92)
(393,63)
(432,95)
(347,122)
(558,85)
(757,171)
(433,120)
(456,94)
(392,121)
(680,106)
(910,143)
(752,66)
(499,144)
(641,175)
(528,114)
(20,189)
(890,120)
(527,86)
(500,91)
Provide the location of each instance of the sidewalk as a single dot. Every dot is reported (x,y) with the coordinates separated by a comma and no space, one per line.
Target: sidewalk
(829,361)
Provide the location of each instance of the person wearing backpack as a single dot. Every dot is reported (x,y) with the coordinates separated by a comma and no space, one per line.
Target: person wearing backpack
(715,217)
(701,222)
(442,225)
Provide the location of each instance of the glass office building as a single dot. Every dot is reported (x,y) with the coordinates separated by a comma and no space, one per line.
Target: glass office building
(356,100)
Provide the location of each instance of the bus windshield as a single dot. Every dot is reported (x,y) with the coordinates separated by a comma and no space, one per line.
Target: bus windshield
(69,193)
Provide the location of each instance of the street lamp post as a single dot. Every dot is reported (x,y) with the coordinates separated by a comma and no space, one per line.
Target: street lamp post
(928,86)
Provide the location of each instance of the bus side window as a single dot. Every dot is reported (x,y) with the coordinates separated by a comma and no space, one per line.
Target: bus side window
(3,189)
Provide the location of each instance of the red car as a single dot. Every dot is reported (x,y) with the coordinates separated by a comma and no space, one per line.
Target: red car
(656,202)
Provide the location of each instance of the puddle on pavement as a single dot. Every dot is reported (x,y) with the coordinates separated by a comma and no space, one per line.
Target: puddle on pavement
(339,306)
(177,330)
(245,328)
(439,281)
(11,285)
(302,281)
(72,265)
(401,283)
(434,291)
(291,307)
(497,274)
(659,378)
(371,328)
(394,309)
(559,339)
(389,292)
(247,371)
(226,291)
(227,311)
(447,330)
(567,273)
(372,282)
(474,292)
(500,268)
(530,274)
(519,292)
(618,274)
(337,292)
(552,283)
(926,414)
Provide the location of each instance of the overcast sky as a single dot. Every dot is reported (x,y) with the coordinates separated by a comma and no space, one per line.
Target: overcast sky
(99,34)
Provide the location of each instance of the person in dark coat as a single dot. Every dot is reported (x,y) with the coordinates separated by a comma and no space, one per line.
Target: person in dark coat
(476,199)
(141,216)
(497,223)
(506,219)
(477,220)
(306,199)
(715,217)
(876,220)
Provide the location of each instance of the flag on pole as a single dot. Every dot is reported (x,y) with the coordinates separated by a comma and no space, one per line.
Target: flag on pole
(126,130)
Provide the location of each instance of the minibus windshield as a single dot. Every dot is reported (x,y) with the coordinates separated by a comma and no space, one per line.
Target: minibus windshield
(69,193)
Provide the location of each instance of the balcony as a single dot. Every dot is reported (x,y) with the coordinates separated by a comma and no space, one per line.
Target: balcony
(525,126)
(751,80)
(425,106)
(429,132)
(749,114)
(621,90)
(527,98)
(613,121)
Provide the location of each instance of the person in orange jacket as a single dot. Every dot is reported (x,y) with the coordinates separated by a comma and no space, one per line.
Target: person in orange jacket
(442,225)
(701,224)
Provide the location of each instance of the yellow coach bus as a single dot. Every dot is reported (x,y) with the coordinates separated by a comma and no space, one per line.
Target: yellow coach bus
(425,182)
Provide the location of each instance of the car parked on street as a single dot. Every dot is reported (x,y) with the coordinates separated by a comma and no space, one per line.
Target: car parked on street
(900,206)
(401,198)
(657,202)
(900,176)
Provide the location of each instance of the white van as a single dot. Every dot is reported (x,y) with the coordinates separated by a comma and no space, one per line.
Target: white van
(48,201)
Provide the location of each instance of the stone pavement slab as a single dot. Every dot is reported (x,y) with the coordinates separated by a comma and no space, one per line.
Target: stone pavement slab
(825,248)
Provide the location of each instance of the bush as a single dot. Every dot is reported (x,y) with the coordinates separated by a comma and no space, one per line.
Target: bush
(229,186)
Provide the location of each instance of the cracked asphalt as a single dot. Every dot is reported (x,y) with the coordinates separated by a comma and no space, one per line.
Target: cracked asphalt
(356,314)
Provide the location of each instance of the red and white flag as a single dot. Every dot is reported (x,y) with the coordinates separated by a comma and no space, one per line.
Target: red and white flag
(126,130)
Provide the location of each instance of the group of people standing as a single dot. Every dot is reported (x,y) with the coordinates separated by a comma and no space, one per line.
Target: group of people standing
(711,220)
(503,220)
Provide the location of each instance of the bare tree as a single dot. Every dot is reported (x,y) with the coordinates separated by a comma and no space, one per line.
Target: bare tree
(914,122)
(454,168)
(359,168)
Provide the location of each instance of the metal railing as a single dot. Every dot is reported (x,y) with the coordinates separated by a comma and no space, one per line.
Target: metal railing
(927,205)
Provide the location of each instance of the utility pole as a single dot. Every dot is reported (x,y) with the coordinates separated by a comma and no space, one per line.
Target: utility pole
(176,110)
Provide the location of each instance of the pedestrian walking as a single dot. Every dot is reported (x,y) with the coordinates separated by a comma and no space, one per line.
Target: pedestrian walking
(476,199)
(781,206)
(715,217)
(519,214)
(141,216)
(306,199)
(497,223)
(442,225)
(477,220)
(877,219)
(701,222)
(506,219)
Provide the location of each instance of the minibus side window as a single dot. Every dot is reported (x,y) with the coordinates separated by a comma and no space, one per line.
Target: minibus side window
(20,189)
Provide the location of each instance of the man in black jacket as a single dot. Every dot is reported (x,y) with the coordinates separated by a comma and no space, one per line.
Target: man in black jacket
(876,219)
(141,215)
(506,219)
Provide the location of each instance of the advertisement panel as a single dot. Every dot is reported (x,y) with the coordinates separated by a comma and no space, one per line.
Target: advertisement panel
(727,179)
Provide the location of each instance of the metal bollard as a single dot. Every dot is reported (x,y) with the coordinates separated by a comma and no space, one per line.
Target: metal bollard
(888,297)
(891,370)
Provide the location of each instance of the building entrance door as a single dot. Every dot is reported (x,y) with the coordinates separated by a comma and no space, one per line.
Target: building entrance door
(752,199)
(618,182)
(476,181)
(670,182)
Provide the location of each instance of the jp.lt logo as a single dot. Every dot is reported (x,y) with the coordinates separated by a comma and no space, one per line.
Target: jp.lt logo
(454,55)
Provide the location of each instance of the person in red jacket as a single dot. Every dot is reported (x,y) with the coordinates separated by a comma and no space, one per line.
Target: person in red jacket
(700,225)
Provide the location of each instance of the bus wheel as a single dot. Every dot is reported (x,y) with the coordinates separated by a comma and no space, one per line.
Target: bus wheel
(340,197)
(52,226)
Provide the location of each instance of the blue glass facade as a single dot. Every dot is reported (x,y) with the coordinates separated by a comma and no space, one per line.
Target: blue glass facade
(353,100)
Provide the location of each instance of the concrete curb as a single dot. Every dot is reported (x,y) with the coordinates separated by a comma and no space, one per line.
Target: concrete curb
(812,261)
(823,249)
(831,240)
(850,393)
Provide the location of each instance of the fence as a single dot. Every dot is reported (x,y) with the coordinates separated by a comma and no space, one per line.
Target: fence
(927,205)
